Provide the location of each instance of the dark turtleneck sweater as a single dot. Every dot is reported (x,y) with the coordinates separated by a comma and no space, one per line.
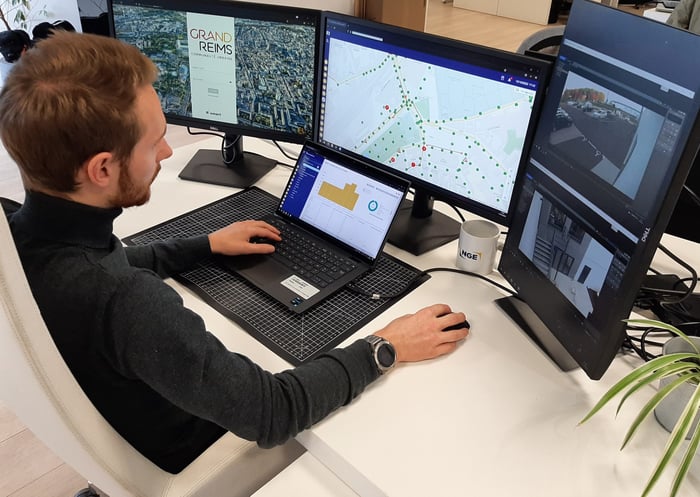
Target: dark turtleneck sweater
(146,362)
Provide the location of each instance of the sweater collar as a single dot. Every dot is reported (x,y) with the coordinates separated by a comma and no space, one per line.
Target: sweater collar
(66,221)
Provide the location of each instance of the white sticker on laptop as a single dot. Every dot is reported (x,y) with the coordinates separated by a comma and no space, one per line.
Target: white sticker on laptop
(300,287)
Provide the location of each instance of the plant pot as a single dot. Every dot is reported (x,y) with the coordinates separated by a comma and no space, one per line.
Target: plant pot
(670,408)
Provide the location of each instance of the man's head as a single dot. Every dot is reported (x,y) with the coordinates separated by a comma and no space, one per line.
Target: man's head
(13,44)
(45,29)
(74,98)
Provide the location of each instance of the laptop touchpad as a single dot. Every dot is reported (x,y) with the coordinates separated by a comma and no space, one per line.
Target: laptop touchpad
(267,270)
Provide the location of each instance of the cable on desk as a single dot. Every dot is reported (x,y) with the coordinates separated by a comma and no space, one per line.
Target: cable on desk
(685,265)
(639,344)
(672,299)
(676,293)
(353,287)
(378,296)
(285,153)
(459,213)
(469,273)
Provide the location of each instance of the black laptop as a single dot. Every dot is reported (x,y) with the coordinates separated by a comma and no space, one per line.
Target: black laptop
(334,217)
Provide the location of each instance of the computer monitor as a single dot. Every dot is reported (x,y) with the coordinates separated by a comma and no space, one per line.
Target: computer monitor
(616,138)
(452,117)
(239,68)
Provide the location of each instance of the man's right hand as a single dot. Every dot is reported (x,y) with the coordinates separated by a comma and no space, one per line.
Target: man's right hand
(420,336)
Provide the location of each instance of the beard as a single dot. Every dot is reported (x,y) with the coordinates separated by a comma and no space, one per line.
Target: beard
(130,194)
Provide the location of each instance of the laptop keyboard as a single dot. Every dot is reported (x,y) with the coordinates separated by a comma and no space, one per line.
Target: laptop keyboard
(310,260)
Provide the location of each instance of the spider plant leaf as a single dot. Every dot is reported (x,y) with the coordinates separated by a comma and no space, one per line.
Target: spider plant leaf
(680,431)
(634,376)
(674,368)
(653,402)
(689,453)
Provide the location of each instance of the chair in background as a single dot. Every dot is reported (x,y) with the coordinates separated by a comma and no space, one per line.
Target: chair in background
(38,387)
(546,42)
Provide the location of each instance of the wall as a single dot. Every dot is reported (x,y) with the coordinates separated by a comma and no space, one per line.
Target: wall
(62,9)
(92,8)
(342,6)
(68,9)
(55,10)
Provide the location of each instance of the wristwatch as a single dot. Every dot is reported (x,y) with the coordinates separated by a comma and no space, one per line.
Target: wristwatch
(383,353)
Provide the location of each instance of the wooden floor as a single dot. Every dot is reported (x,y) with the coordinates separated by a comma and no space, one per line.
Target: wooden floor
(27,468)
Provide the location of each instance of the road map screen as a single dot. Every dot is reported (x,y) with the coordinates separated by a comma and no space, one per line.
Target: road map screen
(447,118)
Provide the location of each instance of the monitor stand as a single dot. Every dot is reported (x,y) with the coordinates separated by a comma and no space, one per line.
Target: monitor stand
(239,170)
(530,323)
(418,228)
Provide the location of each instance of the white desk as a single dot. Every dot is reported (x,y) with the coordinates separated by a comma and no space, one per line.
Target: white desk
(495,418)
(657,15)
(306,476)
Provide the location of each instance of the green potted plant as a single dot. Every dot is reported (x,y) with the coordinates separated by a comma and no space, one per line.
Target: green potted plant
(675,371)
(16,13)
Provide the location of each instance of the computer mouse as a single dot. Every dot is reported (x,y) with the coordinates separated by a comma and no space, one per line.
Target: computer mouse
(464,324)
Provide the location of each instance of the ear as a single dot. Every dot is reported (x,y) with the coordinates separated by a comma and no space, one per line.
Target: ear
(101,170)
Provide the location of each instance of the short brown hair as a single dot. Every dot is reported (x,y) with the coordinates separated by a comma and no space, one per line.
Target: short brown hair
(70,97)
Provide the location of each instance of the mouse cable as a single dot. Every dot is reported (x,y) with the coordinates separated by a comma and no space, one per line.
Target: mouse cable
(355,288)
(469,273)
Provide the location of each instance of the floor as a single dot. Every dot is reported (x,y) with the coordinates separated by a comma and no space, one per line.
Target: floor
(27,468)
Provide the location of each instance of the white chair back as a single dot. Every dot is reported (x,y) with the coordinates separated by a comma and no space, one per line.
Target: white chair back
(38,387)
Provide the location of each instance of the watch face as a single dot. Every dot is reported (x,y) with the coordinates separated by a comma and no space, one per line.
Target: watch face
(386,355)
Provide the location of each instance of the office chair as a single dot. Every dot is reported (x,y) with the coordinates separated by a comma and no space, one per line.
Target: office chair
(544,41)
(39,388)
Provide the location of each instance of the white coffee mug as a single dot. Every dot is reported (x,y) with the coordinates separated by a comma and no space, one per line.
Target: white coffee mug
(478,242)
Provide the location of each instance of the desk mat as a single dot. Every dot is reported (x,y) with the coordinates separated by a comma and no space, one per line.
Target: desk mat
(296,338)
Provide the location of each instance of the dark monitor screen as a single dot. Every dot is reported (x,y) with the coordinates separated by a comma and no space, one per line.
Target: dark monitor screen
(238,68)
(617,136)
(451,117)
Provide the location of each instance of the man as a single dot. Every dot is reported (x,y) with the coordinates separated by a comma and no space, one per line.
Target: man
(13,44)
(80,117)
(45,29)
(686,15)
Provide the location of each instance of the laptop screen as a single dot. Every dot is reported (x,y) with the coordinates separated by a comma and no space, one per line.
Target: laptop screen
(344,198)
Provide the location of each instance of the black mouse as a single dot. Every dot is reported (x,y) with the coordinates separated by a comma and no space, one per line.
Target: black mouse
(464,324)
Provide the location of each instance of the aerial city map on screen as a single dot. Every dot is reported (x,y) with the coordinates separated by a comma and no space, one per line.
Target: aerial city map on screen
(250,72)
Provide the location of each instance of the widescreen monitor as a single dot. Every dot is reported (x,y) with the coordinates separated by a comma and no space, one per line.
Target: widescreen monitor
(616,138)
(453,118)
(239,68)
